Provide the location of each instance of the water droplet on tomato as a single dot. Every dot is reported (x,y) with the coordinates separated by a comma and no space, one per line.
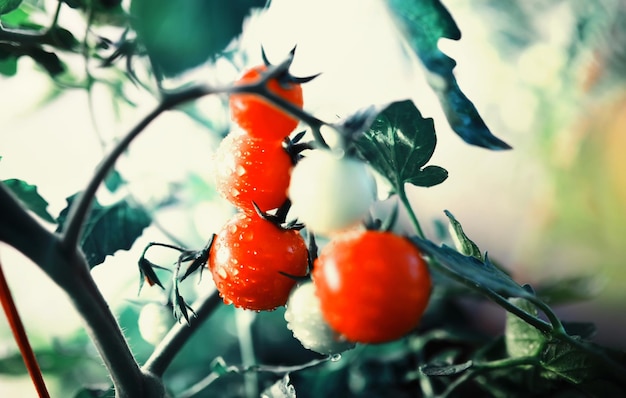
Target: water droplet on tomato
(240,170)
(232,228)
(222,272)
(234,192)
(247,236)
(335,357)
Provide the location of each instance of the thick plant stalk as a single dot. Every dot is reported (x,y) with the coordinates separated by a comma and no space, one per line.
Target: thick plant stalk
(70,271)
(21,338)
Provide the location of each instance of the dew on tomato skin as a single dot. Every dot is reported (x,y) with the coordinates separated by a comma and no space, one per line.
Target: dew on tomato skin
(222,272)
(240,170)
(232,228)
(234,192)
(247,236)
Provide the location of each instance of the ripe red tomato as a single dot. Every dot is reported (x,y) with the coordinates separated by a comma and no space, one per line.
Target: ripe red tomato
(247,257)
(257,116)
(373,286)
(252,170)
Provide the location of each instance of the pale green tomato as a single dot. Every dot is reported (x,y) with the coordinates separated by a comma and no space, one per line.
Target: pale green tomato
(331,192)
(154,321)
(304,318)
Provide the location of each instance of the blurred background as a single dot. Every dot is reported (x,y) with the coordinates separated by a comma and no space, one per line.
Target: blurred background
(547,76)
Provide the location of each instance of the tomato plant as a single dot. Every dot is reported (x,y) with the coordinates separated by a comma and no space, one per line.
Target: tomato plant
(308,234)
(373,286)
(250,170)
(253,261)
(256,115)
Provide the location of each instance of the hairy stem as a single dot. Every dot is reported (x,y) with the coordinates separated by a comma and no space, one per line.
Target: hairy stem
(69,270)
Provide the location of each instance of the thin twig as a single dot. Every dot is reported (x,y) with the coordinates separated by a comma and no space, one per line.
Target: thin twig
(79,212)
(172,343)
(21,337)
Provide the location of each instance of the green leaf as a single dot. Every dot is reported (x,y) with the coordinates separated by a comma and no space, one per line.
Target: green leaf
(109,228)
(16,17)
(424,23)
(463,244)
(399,143)
(181,36)
(6,6)
(8,65)
(522,339)
(29,196)
(560,359)
(483,274)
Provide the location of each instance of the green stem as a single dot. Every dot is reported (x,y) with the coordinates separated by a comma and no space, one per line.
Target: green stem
(482,367)
(172,343)
(407,205)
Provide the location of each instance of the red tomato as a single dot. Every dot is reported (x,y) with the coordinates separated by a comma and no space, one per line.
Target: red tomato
(260,118)
(252,170)
(247,257)
(373,286)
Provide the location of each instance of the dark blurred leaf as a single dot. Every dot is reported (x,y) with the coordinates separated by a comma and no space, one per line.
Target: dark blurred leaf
(29,196)
(47,60)
(96,392)
(445,370)
(522,339)
(424,23)
(464,244)
(109,228)
(482,273)
(180,35)
(50,361)
(113,180)
(398,145)
(6,6)
(8,65)
(568,289)
(584,330)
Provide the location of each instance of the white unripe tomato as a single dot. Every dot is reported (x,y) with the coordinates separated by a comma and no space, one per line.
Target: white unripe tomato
(330,192)
(154,321)
(304,318)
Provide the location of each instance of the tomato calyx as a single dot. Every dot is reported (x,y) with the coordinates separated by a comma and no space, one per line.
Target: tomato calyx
(278,219)
(282,75)
(295,147)
(197,259)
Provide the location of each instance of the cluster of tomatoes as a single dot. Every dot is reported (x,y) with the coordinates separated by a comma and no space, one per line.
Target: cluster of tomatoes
(365,286)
